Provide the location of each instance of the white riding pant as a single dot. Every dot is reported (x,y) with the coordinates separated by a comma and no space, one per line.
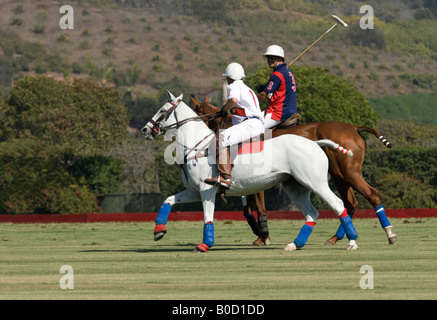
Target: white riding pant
(243,131)
(269,122)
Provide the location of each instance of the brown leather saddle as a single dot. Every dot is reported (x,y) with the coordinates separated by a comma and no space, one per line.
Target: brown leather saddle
(294,120)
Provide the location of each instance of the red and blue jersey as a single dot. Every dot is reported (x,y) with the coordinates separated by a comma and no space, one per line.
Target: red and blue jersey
(282,88)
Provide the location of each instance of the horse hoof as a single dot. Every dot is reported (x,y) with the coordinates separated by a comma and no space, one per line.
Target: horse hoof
(201,248)
(392,239)
(331,241)
(267,241)
(352,245)
(258,242)
(261,241)
(159,232)
(290,247)
(159,235)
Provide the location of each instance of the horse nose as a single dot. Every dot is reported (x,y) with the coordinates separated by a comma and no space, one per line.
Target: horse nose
(145,131)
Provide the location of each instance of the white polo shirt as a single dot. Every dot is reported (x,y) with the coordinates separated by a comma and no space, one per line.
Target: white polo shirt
(248,104)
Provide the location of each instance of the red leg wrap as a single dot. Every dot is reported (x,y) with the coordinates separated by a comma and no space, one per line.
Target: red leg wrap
(202,247)
(159,228)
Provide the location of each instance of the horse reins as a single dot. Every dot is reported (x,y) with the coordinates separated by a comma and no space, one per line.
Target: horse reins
(158,127)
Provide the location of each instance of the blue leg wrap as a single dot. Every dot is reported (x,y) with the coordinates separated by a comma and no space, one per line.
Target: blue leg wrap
(349,228)
(208,234)
(163,213)
(303,236)
(340,232)
(381,216)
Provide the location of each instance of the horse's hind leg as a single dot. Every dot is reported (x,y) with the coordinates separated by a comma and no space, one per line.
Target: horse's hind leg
(300,195)
(350,202)
(161,220)
(372,195)
(336,204)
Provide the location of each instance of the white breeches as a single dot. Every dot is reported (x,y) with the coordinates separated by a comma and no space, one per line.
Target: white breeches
(269,122)
(241,132)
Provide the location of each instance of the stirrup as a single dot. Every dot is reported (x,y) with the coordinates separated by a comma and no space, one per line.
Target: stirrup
(219,182)
(223,182)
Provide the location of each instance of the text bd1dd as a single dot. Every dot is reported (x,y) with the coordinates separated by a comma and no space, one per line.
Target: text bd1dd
(239,309)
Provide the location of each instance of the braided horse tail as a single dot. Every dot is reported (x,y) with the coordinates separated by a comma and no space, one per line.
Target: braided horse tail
(376,134)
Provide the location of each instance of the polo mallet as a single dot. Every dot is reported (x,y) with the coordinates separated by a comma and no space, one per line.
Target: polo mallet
(338,21)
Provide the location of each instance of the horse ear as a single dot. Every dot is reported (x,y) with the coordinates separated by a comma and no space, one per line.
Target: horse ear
(180,97)
(195,102)
(171,96)
(207,100)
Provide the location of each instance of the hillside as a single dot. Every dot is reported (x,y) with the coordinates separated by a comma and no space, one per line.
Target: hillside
(147,45)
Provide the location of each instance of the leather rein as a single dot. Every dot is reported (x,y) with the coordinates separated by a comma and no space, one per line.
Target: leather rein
(157,127)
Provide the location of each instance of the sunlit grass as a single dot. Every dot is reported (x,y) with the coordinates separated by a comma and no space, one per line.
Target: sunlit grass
(121,261)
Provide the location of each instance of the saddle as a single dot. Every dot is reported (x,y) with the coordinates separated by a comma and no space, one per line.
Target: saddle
(294,120)
(255,144)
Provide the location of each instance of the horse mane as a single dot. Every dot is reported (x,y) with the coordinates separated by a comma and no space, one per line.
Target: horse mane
(205,107)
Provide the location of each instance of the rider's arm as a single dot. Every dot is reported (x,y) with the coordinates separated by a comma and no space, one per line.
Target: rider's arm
(262,96)
(232,102)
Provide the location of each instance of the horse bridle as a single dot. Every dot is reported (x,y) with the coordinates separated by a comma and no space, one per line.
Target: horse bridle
(158,127)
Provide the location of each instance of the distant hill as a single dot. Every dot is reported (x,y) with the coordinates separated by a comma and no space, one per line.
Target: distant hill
(146,45)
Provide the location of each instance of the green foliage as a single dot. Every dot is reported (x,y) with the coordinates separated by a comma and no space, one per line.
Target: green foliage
(82,118)
(417,108)
(101,174)
(405,134)
(412,37)
(322,96)
(423,81)
(6,114)
(142,108)
(31,182)
(405,177)
(51,138)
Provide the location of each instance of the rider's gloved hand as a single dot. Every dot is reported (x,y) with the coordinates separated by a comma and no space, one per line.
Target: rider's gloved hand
(223,113)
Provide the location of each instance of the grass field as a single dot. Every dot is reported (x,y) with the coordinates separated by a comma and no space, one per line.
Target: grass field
(121,261)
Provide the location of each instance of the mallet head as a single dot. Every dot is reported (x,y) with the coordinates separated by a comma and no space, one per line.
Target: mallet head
(339,20)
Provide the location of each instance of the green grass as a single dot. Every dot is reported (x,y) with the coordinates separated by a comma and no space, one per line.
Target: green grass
(417,107)
(121,261)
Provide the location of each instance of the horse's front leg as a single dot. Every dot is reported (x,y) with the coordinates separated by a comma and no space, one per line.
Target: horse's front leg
(208,201)
(161,220)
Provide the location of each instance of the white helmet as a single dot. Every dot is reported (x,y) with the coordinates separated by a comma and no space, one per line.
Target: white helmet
(275,50)
(234,71)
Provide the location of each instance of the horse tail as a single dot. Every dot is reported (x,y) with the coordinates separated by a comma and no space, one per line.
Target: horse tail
(334,146)
(376,134)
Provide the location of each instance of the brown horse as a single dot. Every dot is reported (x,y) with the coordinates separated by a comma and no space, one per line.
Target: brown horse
(345,171)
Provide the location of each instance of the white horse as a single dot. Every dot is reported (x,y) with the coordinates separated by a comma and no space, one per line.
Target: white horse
(296,162)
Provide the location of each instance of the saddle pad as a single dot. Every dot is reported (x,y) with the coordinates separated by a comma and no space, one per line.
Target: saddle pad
(251,147)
